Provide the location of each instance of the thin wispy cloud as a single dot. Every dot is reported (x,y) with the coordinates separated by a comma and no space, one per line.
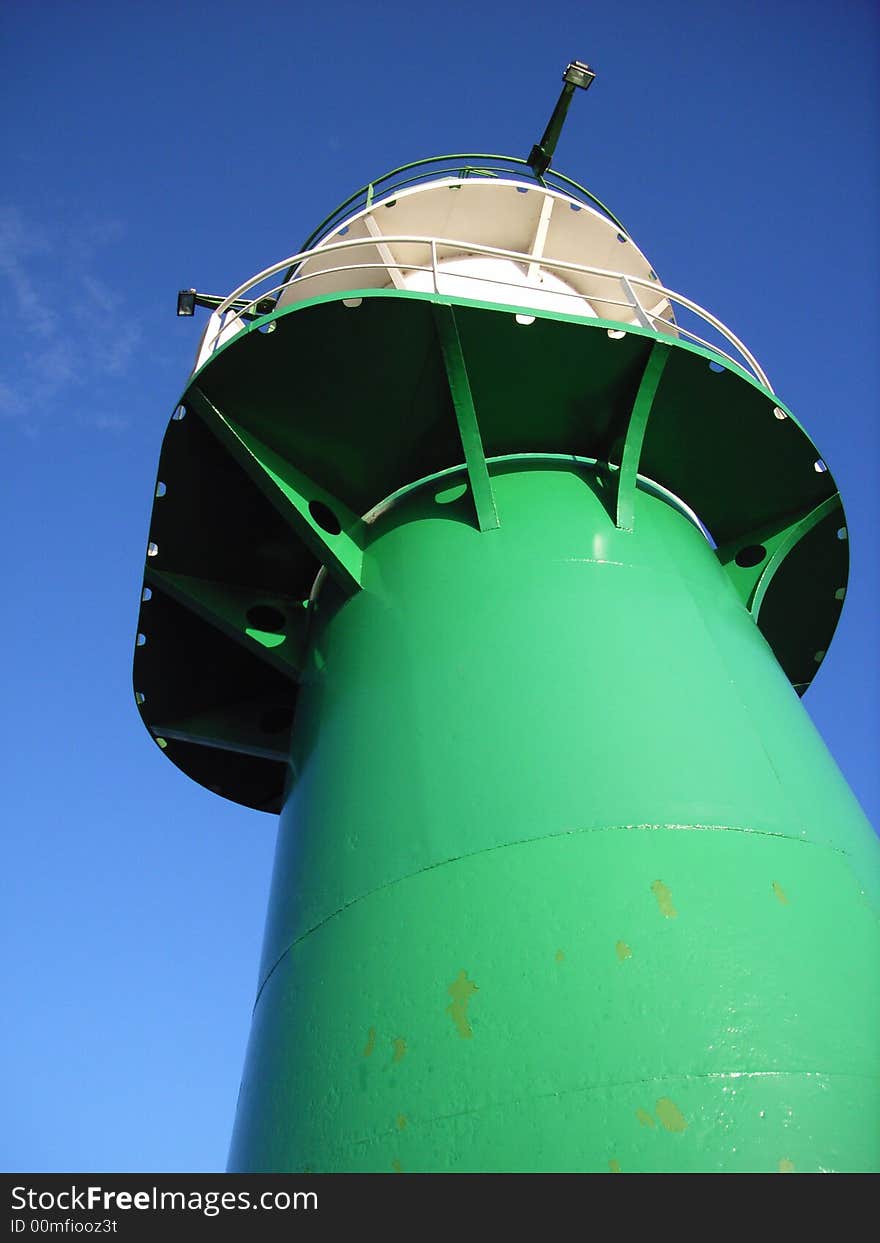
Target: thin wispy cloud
(69,327)
(22,250)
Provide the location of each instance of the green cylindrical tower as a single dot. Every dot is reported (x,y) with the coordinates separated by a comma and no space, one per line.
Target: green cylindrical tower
(498,569)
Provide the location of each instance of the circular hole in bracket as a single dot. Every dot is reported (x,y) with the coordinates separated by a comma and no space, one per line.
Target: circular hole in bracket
(819,466)
(524,319)
(522,189)
(141,640)
(574,207)
(842,533)
(276,720)
(160,488)
(343,230)
(840,593)
(351,302)
(179,413)
(391,203)
(268,325)
(621,237)
(267,617)
(160,742)
(616,334)
(716,366)
(819,656)
(146,594)
(324,516)
(152,549)
(139,698)
(751,554)
(779,414)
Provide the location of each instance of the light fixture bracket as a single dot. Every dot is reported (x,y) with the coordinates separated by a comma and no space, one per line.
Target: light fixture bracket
(576,75)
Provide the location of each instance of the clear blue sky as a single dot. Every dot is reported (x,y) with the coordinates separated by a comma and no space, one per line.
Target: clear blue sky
(150,147)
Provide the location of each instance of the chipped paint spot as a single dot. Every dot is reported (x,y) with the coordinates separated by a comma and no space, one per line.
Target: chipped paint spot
(395,1165)
(461,990)
(644,1118)
(371,1042)
(670,1115)
(399,1049)
(664,899)
(786,1166)
(560,957)
(401,1121)
(780,893)
(622,950)
(614,1167)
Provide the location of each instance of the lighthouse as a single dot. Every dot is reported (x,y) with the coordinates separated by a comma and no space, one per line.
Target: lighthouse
(496,568)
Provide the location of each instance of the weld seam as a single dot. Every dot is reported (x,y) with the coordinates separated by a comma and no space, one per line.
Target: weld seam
(528,841)
(626,1083)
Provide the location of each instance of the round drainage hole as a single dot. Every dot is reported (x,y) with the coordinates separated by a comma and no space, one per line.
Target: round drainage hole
(325,517)
(267,617)
(752,554)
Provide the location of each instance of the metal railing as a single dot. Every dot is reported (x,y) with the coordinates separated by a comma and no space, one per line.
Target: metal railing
(624,291)
(460,167)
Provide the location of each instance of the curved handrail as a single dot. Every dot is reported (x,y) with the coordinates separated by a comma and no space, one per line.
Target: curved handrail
(511,164)
(236,311)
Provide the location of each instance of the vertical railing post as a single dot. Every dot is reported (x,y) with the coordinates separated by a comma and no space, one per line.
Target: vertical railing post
(634,302)
(206,348)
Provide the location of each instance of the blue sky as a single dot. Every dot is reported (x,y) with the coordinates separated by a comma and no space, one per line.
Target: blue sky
(152,147)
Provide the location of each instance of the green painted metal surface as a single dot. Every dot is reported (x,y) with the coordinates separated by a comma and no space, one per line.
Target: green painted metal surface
(565,878)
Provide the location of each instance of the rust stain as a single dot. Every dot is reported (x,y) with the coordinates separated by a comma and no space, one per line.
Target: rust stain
(401,1121)
(780,893)
(670,1115)
(371,1042)
(395,1165)
(623,951)
(461,990)
(614,1167)
(786,1166)
(399,1049)
(664,899)
(560,956)
(644,1118)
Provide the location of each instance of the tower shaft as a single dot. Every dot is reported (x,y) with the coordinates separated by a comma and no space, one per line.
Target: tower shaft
(566,879)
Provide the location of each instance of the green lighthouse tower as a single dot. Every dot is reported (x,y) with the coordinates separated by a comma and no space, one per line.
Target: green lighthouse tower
(498,569)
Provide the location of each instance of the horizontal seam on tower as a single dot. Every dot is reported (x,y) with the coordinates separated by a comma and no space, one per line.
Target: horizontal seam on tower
(528,841)
(610,1087)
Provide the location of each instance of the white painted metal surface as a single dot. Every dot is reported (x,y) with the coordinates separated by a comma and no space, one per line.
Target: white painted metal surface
(500,280)
(532,221)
